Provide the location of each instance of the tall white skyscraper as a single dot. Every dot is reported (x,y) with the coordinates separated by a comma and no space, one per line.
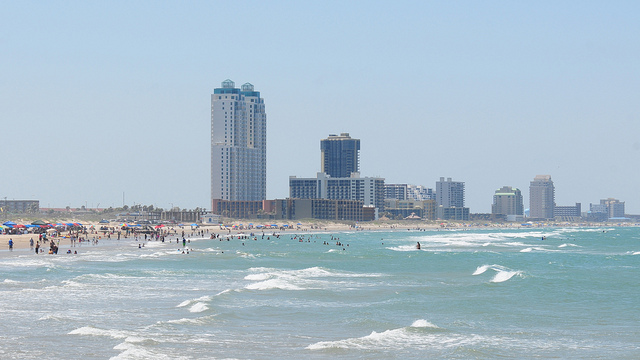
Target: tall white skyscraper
(238,143)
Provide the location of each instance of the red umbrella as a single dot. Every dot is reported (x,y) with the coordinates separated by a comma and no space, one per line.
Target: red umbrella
(19,226)
(159,226)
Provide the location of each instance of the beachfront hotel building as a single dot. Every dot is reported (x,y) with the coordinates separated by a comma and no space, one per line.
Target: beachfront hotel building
(449,193)
(507,201)
(238,144)
(325,209)
(369,190)
(541,197)
(340,155)
(408,192)
(450,200)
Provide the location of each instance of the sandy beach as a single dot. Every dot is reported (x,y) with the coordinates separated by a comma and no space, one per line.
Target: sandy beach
(23,241)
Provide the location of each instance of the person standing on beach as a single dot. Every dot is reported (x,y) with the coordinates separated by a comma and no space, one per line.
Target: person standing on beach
(31,243)
(10,244)
(37,247)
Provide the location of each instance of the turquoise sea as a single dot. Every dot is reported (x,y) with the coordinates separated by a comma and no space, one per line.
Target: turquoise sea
(466,294)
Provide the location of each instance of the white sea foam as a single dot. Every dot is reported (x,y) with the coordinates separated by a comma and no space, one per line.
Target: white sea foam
(308,278)
(636,253)
(404,248)
(481,269)
(414,336)
(527,250)
(273,284)
(502,273)
(503,276)
(9,281)
(422,323)
(258,277)
(184,303)
(92,331)
(198,307)
(568,244)
(134,351)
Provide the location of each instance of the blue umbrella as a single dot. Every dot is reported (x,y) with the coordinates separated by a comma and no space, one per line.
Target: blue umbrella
(9,223)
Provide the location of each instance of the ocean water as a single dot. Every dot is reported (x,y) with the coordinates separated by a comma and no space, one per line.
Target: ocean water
(476,294)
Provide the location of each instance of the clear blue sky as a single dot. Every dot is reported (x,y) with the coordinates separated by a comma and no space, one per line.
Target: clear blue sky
(98,98)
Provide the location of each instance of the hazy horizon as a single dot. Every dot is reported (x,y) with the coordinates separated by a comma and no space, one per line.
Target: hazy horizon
(101,98)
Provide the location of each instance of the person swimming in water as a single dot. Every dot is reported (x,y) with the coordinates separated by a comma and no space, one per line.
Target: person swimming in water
(418,246)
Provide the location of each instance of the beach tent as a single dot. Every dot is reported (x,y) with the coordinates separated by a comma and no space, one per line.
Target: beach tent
(9,223)
(38,222)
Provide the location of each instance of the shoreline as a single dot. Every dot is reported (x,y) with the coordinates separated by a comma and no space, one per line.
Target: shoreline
(22,241)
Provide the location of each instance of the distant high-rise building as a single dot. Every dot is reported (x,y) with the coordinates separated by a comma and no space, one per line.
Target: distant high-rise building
(449,193)
(340,155)
(615,207)
(238,143)
(507,201)
(541,197)
(408,192)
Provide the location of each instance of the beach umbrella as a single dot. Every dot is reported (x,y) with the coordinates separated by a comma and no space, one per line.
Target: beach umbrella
(69,224)
(38,222)
(20,226)
(159,226)
(9,223)
(194,224)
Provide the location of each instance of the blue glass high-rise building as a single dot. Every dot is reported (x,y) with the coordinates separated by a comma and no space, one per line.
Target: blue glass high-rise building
(340,155)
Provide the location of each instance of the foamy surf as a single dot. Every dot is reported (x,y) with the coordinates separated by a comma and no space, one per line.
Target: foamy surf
(92,331)
(502,273)
(503,276)
(198,307)
(273,284)
(481,269)
(414,335)
(421,323)
(568,244)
